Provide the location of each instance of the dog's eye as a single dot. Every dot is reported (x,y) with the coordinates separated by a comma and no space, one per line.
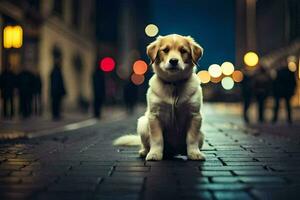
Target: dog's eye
(166,50)
(183,51)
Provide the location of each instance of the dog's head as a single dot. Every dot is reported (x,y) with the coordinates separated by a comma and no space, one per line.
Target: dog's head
(174,56)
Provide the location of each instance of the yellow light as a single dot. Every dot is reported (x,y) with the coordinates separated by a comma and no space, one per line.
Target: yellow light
(215,70)
(7,37)
(12,37)
(204,76)
(151,30)
(292,66)
(237,76)
(227,68)
(299,68)
(18,37)
(251,59)
(227,83)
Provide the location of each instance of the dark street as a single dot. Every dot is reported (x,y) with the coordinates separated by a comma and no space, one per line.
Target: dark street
(242,163)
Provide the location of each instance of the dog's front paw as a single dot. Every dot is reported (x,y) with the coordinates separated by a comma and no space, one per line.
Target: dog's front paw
(195,154)
(154,155)
(143,153)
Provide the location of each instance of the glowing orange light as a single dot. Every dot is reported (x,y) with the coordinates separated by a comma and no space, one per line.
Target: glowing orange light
(204,76)
(137,79)
(216,80)
(140,67)
(237,76)
(107,64)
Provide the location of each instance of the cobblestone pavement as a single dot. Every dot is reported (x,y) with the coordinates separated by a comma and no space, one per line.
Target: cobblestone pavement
(241,164)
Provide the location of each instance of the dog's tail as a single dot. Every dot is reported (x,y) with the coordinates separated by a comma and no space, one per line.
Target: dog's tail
(128,140)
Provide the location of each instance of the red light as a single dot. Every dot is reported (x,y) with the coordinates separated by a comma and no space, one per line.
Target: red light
(107,64)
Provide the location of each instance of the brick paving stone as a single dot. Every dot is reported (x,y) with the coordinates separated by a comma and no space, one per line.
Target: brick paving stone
(132,169)
(261,179)
(222,168)
(188,195)
(117,197)
(222,186)
(230,179)
(216,173)
(238,195)
(70,187)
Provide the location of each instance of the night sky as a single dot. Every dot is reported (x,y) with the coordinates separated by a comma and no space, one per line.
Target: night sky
(211,23)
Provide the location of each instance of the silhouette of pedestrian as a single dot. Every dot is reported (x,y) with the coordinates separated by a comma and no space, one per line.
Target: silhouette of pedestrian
(130,95)
(262,85)
(25,82)
(284,87)
(57,88)
(98,91)
(7,86)
(247,93)
(37,94)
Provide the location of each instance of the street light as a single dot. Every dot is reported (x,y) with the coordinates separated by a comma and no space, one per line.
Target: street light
(251,59)
(12,37)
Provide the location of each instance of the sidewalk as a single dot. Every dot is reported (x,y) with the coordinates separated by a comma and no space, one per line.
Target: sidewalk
(44,125)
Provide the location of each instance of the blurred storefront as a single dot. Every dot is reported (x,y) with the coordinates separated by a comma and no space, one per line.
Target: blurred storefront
(66,24)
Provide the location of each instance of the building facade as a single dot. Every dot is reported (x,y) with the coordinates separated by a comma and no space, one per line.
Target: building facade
(65,24)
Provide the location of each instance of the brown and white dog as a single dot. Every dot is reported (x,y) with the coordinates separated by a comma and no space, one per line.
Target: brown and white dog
(171,124)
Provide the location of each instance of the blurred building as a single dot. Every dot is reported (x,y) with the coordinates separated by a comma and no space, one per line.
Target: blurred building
(67,24)
(272,29)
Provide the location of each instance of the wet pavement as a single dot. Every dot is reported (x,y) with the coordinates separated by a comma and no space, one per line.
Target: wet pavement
(242,163)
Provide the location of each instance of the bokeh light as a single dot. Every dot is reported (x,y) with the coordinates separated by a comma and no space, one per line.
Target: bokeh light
(12,37)
(292,58)
(204,76)
(140,67)
(215,70)
(216,80)
(151,30)
(227,83)
(227,68)
(237,76)
(107,64)
(251,59)
(292,66)
(137,79)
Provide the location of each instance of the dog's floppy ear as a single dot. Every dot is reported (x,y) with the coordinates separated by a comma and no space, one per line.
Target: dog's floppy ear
(196,49)
(152,49)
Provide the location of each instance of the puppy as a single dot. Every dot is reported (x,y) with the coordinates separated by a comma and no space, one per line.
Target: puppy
(171,124)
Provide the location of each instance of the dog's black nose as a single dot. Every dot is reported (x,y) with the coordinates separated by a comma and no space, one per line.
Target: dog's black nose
(173,61)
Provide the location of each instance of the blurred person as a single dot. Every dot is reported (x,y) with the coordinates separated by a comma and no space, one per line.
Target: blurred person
(284,88)
(98,91)
(262,86)
(57,87)
(7,86)
(37,94)
(130,95)
(25,82)
(247,93)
